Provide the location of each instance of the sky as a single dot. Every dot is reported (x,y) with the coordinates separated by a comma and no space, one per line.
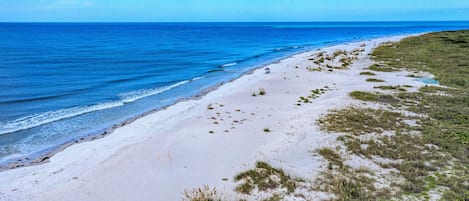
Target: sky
(231,10)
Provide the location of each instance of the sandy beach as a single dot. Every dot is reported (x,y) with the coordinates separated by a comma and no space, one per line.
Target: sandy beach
(207,141)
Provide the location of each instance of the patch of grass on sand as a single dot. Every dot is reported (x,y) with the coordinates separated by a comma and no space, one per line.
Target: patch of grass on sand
(367,73)
(262,92)
(263,178)
(274,197)
(359,121)
(434,89)
(432,154)
(370,96)
(331,156)
(443,54)
(345,182)
(374,80)
(391,87)
(202,194)
(381,68)
(316,93)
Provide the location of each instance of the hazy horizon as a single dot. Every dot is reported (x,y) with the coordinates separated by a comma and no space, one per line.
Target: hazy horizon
(232,11)
(163,22)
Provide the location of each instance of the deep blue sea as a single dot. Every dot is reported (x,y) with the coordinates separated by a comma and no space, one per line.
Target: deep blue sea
(62,82)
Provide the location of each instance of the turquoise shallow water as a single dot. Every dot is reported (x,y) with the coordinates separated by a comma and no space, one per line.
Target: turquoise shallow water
(428,80)
(63,82)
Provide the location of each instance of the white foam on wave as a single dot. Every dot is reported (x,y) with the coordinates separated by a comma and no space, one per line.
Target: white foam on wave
(35,120)
(197,78)
(139,94)
(229,64)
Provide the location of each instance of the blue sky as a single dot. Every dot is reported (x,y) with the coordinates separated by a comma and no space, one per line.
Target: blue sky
(231,10)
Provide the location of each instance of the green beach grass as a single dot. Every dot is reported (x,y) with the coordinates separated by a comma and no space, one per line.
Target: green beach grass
(430,154)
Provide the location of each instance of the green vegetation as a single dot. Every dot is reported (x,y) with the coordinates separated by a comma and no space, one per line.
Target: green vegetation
(359,121)
(262,92)
(274,197)
(381,68)
(264,177)
(430,149)
(356,52)
(390,87)
(311,69)
(367,73)
(374,80)
(346,61)
(314,94)
(369,96)
(319,61)
(324,60)
(443,54)
(346,182)
(266,130)
(339,52)
(387,87)
(434,89)
(210,107)
(331,156)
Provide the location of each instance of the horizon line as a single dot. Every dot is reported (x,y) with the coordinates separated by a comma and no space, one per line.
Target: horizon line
(299,21)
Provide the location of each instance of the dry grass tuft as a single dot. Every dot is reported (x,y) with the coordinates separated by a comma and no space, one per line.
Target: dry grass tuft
(202,194)
(263,178)
(359,121)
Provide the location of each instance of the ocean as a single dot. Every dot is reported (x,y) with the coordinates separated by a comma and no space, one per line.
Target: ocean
(67,82)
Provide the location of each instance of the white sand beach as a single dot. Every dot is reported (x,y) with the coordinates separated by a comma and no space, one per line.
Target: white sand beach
(208,141)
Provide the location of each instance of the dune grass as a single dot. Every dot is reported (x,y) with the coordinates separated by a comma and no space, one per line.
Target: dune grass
(381,68)
(204,193)
(443,54)
(372,96)
(359,121)
(345,182)
(315,93)
(333,157)
(391,87)
(263,178)
(374,80)
(432,154)
(367,73)
(262,92)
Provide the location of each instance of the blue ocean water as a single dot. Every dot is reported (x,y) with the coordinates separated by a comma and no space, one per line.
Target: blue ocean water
(62,82)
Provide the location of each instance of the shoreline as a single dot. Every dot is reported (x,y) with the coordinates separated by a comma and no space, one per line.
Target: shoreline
(43,156)
(179,107)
